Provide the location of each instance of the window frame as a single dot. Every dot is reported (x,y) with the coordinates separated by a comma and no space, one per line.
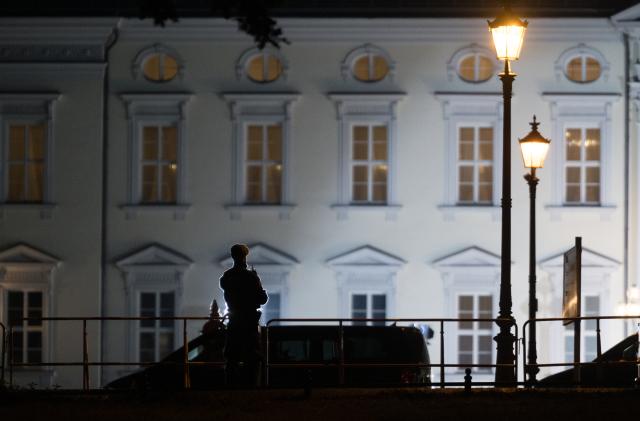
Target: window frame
(372,109)
(263,163)
(583,164)
(475,332)
(242,64)
(266,109)
(137,66)
(369,294)
(28,109)
(581,50)
(155,110)
(453,65)
(157,328)
(475,163)
(370,163)
(370,50)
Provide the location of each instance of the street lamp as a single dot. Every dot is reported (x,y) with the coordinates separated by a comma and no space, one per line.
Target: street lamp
(507,31)
(534,150)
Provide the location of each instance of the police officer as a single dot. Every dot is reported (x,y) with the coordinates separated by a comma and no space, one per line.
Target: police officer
(244,294)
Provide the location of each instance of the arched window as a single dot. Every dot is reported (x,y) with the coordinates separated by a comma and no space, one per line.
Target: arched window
(261,66)
(368,64)
(582,64)
(158,63)
(473,64)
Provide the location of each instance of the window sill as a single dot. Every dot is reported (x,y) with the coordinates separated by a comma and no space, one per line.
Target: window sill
(391,210)
(45,209)
(283,210)
(605,210)
(179,211)
(450,211)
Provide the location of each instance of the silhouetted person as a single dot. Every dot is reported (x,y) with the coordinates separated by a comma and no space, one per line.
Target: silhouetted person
(244,294)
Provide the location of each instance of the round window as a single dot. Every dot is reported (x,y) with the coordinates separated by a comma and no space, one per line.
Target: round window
(583,69)
(264,68)
(160,67)
(370,68)
(475,68)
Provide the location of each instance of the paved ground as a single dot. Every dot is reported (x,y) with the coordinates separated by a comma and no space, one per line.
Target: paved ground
(325,404)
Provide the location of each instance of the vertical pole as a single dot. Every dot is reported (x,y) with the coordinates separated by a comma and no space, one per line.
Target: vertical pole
(576,352)
(505,339)
(3,343)
(185,348)
(441,354)
(598,339)
(341,360)
(532,367)
(11,356)
(85,356)
(266,359)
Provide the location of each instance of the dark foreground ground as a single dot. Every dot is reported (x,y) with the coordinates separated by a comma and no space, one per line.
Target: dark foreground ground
(325,404)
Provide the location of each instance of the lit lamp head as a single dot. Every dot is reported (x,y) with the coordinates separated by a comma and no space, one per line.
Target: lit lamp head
(507,31)
(534,147)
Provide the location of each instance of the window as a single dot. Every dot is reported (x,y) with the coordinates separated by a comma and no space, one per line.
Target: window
(582,64)
(582,165)
(262,66)
(367,138)
(589,347)
(26,163)
(154,278)
(473,64)
(366,282)
(473,152)
(369,64)
(369,306)
(159,164)
(271,310)
(156,337)
(369,164)
(26,142)
(27,335)
(475,165)
(264,163)
(475,339)
(476,68)
(158,63)
(157,148)
(261,153)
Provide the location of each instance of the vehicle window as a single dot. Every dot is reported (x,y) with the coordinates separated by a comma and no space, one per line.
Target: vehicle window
(385,345)
(293,350)
(329,352)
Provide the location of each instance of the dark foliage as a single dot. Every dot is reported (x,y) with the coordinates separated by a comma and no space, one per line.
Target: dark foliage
(252,17)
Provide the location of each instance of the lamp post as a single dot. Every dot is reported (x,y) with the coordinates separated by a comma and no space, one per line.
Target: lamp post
(507,32)
(534,149)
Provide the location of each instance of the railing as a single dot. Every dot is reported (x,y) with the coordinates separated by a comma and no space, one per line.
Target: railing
(576,365)
(86,363)
(341,364)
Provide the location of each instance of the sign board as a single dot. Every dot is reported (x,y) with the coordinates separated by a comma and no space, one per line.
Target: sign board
(571,282)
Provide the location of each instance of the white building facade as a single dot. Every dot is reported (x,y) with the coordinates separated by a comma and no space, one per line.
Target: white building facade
(362,163)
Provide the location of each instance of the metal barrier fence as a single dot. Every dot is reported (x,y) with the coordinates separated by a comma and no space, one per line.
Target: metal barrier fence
(576,365)
(341,364)
(85,363)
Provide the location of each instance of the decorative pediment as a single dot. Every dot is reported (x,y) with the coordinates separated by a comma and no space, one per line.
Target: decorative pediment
(471,257)
(25,257)
(365,256)
(152,258)
(590,259)
(264,257)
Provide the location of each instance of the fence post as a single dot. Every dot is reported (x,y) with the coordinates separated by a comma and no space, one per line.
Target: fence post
(185,347)
(467,380)
(441,354)
(341,361)
(4,353)
(85,357)
(11,356)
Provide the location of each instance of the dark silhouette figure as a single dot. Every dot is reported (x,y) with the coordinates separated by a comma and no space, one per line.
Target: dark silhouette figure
(244,294)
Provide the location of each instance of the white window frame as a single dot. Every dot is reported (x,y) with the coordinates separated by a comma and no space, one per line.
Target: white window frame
(583,164)
(157,328)
(592,333)
(475,333)
(26,269)
(346,67)
(137,67)
(242,64)
(581,50)
(470,110)
(375,109)
(475,163)
(274,268)
(260,108)
(155,110)
(471,271)
(264,162)
(154,268)
(369,303)
(597,280)
(28,108)
(570,110)
(366,270)
(453,65)
(370,163)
